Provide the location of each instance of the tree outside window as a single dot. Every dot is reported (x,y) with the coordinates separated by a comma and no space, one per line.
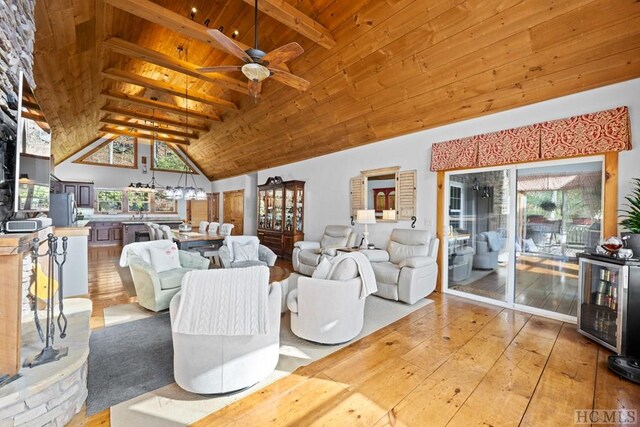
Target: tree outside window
(110,200)
(139,201)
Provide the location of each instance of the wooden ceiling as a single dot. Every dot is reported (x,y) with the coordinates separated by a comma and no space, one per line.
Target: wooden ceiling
(378,69)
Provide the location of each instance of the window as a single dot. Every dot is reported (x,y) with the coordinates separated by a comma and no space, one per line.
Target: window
(456,205)
(109,200)
(121,151)
(139,201)
(165,158)
(164,205)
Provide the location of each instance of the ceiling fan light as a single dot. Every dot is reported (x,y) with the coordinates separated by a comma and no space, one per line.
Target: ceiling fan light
(255,72)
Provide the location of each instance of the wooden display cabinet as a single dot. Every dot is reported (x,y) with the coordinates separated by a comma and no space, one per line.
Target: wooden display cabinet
(281,215)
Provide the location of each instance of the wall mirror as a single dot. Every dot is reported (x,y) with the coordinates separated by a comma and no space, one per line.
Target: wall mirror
(390,192)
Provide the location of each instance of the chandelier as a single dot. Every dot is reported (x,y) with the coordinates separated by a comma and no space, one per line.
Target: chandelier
(187,192)
(152,185)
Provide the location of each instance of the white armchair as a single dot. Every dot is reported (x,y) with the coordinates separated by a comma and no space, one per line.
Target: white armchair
(208,364)
(308,254)
(155,290)
(407,270)
(230,259)
(328,311)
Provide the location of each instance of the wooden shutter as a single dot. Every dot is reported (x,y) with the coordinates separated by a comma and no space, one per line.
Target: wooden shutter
(406,198)
(357,194)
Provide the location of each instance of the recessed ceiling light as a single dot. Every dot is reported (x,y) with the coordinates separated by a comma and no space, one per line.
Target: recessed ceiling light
(193,12)
(235,34)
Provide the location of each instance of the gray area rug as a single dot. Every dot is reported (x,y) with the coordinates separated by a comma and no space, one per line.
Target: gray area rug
(128,360)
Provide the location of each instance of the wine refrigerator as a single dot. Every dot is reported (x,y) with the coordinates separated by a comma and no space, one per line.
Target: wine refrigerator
(609,302)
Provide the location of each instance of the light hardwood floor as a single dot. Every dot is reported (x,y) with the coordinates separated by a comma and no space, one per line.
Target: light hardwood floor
(454,362)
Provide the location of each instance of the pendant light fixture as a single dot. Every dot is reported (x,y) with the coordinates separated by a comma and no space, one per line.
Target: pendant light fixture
(187,192)
(152,185)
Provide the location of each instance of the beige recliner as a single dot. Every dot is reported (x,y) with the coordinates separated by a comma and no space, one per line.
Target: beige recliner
(307,254)
(407,270)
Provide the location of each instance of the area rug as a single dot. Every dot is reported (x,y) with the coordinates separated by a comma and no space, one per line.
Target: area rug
(123,313)
(172,406)
(128,360)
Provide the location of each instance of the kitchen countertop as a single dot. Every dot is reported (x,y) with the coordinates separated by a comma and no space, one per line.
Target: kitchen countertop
(130,221)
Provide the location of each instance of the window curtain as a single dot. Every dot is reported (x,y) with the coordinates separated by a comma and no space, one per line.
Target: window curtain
(592,133)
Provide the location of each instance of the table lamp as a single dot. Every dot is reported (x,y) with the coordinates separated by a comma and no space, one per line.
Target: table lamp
(389,215)
(365,216)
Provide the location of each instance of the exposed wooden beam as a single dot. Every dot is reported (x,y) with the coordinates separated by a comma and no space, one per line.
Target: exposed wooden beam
(288,15)
(149,136)
(150,128)
(135,79)
(152,118)
(29,104)
(34,116)
(157,14)
(123,97)
(133,50)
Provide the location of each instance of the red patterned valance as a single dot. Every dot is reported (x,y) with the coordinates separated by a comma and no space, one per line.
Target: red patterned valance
(458,153)
(593,133)
(509,146)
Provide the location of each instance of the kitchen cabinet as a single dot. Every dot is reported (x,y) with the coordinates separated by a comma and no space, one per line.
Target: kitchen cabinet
(128,230)
(105,233)
(82,190)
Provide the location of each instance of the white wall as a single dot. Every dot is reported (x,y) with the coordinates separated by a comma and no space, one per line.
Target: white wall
(327,177)
(110,177)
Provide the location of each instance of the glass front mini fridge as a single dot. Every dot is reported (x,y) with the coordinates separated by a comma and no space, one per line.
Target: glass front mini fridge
(609,302)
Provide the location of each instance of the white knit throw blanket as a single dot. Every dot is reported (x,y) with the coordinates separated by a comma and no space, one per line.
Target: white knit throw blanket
(224,302)
(367,275)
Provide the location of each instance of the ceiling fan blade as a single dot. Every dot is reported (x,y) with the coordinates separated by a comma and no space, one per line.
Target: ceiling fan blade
(220,69)
(229,45)
(289,79)
(254,88)
(283,54)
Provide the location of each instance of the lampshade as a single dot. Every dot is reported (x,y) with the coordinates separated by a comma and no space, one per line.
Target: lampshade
(255,72)
(201,194)
(366,216)
(190,193)
(389,215)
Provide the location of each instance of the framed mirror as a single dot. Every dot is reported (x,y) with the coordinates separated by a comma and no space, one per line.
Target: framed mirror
(390,192)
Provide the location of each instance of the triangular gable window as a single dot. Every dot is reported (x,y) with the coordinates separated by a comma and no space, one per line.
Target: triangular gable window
(166,158)
(121,151)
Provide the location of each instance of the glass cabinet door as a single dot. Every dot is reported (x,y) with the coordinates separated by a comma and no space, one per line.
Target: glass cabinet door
(269,203)
(299,208)
(288,209)
(262,208)
(277,210)
(601,291)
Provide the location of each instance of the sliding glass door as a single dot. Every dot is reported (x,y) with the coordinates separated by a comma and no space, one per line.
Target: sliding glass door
(513,233)
(559,210)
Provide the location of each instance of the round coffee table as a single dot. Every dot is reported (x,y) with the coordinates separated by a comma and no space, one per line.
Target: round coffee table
(280,275)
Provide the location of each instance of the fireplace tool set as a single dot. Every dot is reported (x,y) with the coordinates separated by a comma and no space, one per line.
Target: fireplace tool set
(55,259)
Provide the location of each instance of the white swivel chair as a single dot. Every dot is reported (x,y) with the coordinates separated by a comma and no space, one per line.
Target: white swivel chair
(328,311)
(226,228)
(308,254)
(407,270)
(208,364)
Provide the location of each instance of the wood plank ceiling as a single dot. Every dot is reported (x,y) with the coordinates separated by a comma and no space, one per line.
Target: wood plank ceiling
(378,69)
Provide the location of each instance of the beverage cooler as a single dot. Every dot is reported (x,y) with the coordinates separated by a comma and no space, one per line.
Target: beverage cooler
(609,302)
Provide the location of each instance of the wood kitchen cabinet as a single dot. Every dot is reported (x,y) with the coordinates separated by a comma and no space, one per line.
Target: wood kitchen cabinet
(82,190)
(105,233)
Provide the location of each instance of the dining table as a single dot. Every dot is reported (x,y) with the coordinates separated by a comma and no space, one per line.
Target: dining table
(191,239)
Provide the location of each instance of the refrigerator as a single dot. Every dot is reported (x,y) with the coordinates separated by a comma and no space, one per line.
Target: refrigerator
(62,209)
(609,302)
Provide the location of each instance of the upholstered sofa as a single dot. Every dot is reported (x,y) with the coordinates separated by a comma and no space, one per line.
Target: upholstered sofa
(407,270)
(209,364)
(229,258)
(328,311)
(488,245)
(155,289)
(307,254)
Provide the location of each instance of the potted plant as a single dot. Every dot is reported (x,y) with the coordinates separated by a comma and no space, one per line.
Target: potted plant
(631,219)
(548,206)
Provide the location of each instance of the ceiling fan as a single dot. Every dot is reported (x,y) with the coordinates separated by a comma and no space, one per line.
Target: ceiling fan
(258,65)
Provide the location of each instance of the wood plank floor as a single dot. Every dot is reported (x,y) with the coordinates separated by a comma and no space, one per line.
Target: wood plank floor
(454,362)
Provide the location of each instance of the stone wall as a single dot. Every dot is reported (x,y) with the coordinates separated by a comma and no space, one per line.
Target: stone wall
(17,28)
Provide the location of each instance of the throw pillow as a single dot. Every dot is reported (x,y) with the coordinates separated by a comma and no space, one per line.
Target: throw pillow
(322,270)
(163,259)
(245,252)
